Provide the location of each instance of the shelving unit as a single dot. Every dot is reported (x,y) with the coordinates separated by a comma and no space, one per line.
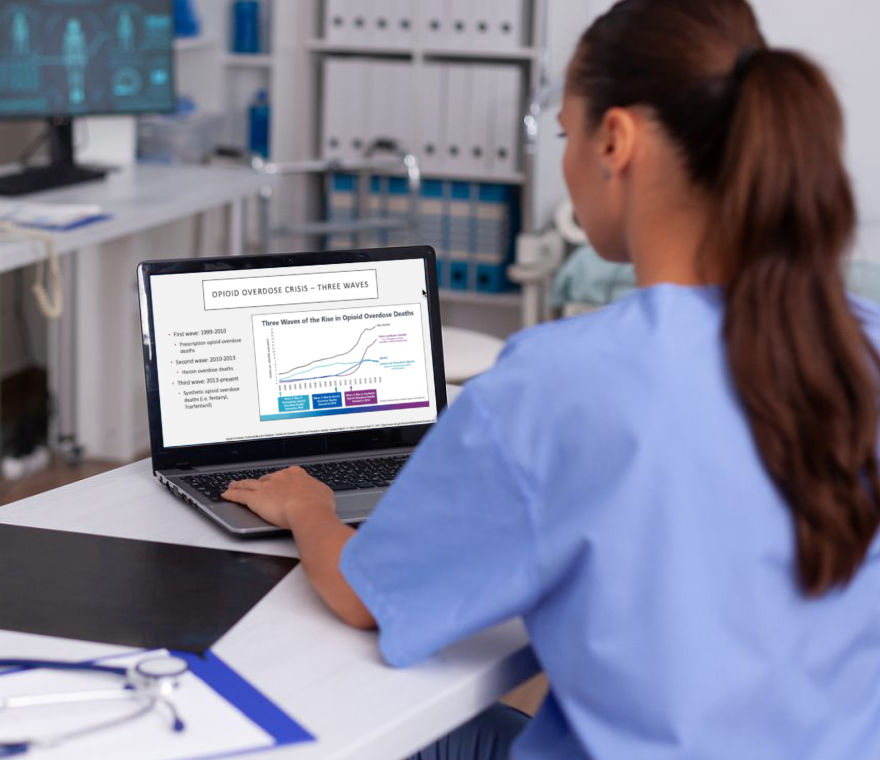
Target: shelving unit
(498,313)
(222,81)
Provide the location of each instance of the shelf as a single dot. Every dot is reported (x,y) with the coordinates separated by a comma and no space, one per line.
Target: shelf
(185,44)
(248,60)
(399,51)
(517,54)
(512,300)
(323,46)
(515,179)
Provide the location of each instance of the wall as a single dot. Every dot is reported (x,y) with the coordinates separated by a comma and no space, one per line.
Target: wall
(839,35)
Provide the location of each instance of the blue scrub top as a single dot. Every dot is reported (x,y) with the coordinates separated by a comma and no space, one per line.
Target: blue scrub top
(602,482)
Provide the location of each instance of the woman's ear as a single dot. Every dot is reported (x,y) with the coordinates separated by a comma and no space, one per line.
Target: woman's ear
(617,142)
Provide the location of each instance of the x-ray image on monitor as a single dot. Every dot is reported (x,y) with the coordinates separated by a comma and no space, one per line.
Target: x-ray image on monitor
(76,57)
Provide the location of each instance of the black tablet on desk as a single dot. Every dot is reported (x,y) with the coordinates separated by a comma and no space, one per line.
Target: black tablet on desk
(122,591)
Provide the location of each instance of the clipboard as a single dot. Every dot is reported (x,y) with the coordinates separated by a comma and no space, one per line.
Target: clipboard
(225,715)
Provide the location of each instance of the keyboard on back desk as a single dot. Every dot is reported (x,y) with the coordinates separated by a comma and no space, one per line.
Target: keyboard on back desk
(341,475)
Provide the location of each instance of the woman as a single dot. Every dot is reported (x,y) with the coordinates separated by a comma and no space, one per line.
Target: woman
(679,494)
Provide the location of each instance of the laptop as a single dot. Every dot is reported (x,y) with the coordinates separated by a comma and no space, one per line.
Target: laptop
(331,361)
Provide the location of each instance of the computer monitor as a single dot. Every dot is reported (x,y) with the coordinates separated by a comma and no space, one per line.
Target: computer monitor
(65,58)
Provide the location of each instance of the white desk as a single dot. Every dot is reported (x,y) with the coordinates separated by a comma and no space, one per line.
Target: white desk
(327,676)
(100,321)
(141,197)
(468,353)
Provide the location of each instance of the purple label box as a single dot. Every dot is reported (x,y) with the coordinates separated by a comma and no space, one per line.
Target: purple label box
(361,397)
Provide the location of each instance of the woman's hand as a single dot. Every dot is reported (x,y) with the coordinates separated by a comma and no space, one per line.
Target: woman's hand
(293,499)
(283,498)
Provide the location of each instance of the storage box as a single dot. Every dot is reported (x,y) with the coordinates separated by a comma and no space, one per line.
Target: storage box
(177,139)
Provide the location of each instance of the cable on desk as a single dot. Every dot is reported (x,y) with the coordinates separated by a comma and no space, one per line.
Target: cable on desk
(49,296)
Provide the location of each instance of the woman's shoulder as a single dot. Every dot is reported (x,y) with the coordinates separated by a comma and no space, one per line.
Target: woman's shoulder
(645,318)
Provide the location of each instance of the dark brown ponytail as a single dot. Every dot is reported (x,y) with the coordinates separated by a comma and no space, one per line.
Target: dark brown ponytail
(762,130)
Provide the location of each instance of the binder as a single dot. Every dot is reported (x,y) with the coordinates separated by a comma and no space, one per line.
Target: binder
(458,124)
(335,110)
(429,142)
(402,23)
(402,97)
(460,35)
(482,23)
(507,23)
(398,209)
(378,22)
(461,239)
(337,20)
(433,226)
(505,121)
(392,95)
(358,99)
(359,23)
(493,229)
(494,237)
(340,208)
(375,116)
(479,114)
(434,23)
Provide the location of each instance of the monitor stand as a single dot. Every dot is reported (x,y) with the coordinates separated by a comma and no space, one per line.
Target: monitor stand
(61,170)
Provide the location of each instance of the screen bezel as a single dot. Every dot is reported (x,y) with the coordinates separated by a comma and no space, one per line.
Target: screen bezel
(172,108)
(288,447)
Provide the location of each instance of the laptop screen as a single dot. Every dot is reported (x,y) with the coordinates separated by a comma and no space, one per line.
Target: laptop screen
(257,354)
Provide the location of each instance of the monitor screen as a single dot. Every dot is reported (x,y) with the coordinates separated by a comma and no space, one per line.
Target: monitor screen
(245,355)
(78,57)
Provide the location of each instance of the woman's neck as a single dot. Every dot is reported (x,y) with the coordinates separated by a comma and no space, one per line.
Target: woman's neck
(667,244)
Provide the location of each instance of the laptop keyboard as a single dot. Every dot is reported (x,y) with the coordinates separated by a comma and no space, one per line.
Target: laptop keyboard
(343,475)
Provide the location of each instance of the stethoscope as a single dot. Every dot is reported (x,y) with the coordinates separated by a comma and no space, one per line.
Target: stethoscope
(149,682)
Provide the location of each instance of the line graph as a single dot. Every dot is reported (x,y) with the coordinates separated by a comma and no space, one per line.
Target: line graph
(350,362)
(337,356)
(340,361)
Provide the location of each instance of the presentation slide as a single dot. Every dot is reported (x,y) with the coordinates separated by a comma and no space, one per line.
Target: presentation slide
(292,351)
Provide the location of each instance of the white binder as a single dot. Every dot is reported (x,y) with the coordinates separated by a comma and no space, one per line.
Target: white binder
(378,116)
(482,25)
(460,34)
(402,29)
(480,114)
(507,22)
(391,104)
(506,120)
(401,100)
(358,99)
(335,109)
(360,30)
(338,20)
(458,122)
(429,142)
(434,23)
(379,24)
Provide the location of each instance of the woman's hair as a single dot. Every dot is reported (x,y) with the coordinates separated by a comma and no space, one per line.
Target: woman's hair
(761,130)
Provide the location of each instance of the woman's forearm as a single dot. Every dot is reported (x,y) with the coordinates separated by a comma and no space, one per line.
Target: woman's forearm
(320,538)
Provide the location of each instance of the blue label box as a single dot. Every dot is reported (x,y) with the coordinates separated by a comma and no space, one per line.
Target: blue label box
(326,400)
(293,404)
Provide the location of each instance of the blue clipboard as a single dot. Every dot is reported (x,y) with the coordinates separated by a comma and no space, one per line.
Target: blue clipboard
(238,692)
(250,701)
